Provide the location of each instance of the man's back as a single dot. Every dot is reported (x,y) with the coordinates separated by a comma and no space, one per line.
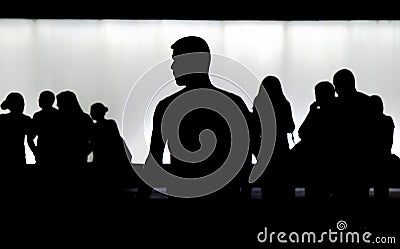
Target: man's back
(45,123)
(190,128)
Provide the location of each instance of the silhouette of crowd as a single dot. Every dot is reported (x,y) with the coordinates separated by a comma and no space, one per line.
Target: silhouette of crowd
(345,147)
(64,138)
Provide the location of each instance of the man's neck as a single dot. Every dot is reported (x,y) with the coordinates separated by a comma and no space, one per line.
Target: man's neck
(200,81)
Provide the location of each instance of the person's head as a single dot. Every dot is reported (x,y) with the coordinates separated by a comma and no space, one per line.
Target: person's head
(273,87)
(191,60)
(98,111)
(68,102)
(376,104)
(14,102)
(324,93)
(46,99)
(344,82)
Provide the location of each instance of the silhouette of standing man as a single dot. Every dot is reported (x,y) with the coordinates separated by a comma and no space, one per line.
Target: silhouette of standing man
(317,134)
(353,128)
(191,62)
(45,123)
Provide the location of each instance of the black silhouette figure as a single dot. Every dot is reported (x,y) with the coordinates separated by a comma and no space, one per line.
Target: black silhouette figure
(74,131)
(352,144)
(110,155)
(276,179)
(44,126)
(192,73)
(381,141)
(315,151)
(74,135)
(14,127)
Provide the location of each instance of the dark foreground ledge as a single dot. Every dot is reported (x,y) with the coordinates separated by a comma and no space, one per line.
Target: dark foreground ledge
(32,216)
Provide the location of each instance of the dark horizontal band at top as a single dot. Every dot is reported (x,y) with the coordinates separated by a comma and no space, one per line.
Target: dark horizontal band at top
(201,10)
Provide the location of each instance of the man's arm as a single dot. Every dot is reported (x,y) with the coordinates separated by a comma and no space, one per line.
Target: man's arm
(306,128)
(31,134)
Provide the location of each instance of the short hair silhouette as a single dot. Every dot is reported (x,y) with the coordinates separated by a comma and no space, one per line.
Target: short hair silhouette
(46,99)
(98,111)
(376,104)
(190,44)
(344,82)
(324,91)
(191,61)
(14,102)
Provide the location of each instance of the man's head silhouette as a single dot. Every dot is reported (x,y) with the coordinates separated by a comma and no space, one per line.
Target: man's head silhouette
(344,82)
(191,61)
(46,99)
(324,93)
(376,105)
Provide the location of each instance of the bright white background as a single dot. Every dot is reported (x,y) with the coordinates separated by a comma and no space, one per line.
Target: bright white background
(102,59)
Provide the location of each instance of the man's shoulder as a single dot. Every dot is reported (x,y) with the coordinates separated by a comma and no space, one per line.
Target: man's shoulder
(388,120)
(171,97)
(25,117)
(235,98)
(165,102)
(363,96)
(42,113)
(37,115)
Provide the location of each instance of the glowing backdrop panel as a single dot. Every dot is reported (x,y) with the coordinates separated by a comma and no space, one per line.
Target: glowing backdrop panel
(101,60)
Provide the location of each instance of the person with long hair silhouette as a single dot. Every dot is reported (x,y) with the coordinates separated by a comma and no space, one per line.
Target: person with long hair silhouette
(74,135)
(276,178)
(75,130)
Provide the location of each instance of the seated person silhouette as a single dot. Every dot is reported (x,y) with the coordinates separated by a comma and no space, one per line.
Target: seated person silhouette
(45,123)
(316,148)
(276,179)
(110,157)
(190,67)
(352,142)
